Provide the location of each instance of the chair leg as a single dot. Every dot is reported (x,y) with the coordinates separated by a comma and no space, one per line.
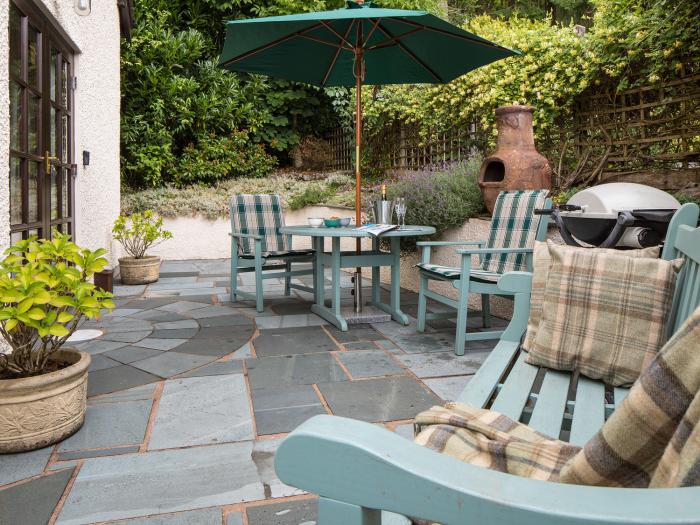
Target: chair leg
(422,303)
(234,271)
(486,310)
(331,512)
(287,278)
(462,312)
(258,284)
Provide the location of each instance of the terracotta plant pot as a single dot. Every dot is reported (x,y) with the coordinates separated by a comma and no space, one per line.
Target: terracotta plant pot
(38,411)
(139,271)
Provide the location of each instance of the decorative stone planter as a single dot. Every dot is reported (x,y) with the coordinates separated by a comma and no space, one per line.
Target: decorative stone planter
(39,411)
(139,271)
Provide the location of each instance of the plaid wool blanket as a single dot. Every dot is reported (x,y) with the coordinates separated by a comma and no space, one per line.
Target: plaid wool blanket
(651,440)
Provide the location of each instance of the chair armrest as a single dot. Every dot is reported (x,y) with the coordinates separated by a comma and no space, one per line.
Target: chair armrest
(245,235)
(450,243)
(516,282)
(365,465)
(484,251)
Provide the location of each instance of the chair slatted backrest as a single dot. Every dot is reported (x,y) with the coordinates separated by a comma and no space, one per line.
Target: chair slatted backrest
(258,215)
(565,405)
(514,225)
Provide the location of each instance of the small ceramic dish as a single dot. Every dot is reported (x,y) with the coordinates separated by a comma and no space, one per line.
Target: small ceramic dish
(332,223)
(315,222)
(345,221)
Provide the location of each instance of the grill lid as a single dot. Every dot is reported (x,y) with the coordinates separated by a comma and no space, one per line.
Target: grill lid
(605,201)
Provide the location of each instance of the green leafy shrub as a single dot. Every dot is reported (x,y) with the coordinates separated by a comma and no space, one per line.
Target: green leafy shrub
(45,291)
(562,197)
(139,232)
(443,199)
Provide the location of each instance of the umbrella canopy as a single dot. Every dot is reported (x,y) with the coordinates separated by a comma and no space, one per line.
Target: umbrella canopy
(398,47)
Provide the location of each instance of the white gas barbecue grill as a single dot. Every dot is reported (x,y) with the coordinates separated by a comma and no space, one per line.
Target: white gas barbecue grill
(619,214)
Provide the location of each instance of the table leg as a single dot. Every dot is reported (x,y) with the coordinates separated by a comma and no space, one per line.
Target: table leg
(375,274)
(332,315)
(394,306)
(335,276)
(320,290)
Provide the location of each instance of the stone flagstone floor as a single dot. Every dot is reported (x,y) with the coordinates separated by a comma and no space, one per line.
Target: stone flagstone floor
(190,395)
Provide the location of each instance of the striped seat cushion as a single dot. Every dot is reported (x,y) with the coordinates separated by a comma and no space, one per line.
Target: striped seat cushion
(514,225)
(280,254)
(450,272)
(258,215)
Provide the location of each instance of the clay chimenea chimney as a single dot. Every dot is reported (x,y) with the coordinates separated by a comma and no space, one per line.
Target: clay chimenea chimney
(516,164)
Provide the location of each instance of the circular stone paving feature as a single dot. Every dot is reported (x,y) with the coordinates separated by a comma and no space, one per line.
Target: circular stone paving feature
(147,340)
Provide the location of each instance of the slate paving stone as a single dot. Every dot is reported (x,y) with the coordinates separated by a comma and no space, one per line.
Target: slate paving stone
(117,378)
(289,321)
(125,324)
(369,364)
(290,341)
(178,274)
(190,517)
(197,291)
(211,311)
(362,345)
(14,467)
(202,410)
(264,458)
(100,362)
(121,312)
(159,316)
(130,394)
(159,344)
(242,353)
(100,346)
(125,337)
(448,388)
(292,307)
(440,364)
(169,364)
(355,333)
(236,518)
(388,345)
(283,408)
(161,482)
(304,369)
(126,291)
(282,420)
(296,512)
(109,425)
(217,368)
(145,304)
(232,333)
(199,297)
(375,400)
(178,286)
(176,325)
(225,320)
(181,333)
(418,343)
(129,354)
(178,306)
(32,503)
(209,348)
(82,454)
(406,430)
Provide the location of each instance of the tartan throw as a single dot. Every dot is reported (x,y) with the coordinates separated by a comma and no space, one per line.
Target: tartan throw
(541,264)
(651,441)
(514,225)
(653,438)
(258,215)
(603,314)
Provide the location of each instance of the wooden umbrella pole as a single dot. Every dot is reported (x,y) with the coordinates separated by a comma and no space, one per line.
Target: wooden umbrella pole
(359,71)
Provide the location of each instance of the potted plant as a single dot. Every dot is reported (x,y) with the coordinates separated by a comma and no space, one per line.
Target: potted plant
(45,291)
(137,234)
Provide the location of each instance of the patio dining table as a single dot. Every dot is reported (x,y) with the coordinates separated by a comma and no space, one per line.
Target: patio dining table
(374,258)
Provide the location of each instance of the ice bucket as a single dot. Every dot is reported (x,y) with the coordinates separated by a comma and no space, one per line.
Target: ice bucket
(382,211)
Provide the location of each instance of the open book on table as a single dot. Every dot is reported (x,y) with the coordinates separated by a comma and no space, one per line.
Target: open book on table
(375,230)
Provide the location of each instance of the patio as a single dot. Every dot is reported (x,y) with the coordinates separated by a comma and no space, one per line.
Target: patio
(189,396)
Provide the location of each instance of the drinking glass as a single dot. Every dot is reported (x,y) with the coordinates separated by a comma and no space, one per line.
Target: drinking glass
(400,209)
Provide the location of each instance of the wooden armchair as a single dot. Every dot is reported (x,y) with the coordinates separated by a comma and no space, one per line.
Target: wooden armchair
(514,230)
(258,246)
(360,469)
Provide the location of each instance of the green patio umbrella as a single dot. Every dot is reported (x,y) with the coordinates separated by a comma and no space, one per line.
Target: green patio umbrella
(360,44)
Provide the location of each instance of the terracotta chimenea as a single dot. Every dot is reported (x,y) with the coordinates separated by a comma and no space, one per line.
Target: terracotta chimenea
(516,164)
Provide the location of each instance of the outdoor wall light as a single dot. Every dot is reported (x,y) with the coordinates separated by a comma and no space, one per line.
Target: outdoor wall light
(82,7)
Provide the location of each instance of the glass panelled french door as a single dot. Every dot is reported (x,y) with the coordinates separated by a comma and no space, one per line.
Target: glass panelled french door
(41,127)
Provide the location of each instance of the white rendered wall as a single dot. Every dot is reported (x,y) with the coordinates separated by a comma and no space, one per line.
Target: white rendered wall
(96,118)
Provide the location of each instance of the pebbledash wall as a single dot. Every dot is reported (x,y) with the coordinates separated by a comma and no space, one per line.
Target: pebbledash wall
(96,120)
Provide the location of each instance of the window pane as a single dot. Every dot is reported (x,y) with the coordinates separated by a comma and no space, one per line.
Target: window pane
(15,115)
(52,74)
(15,191)
(32,76)
(52,128)
(64,83)
(33,232)
(33,109)
(64,138)
(15,42)
(54,195)
(64,194)
(33,186)
(15,237)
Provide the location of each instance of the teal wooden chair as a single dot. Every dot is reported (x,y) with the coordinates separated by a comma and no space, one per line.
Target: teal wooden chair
(514,230)
(258,246)
(360,469)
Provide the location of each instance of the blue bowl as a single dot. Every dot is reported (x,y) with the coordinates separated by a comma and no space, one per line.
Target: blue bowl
(332,223)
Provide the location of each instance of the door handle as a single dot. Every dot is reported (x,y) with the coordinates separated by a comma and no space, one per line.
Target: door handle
(47,162)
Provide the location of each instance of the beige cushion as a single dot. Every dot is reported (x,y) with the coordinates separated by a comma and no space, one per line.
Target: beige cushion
(603,314)
(541,264)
